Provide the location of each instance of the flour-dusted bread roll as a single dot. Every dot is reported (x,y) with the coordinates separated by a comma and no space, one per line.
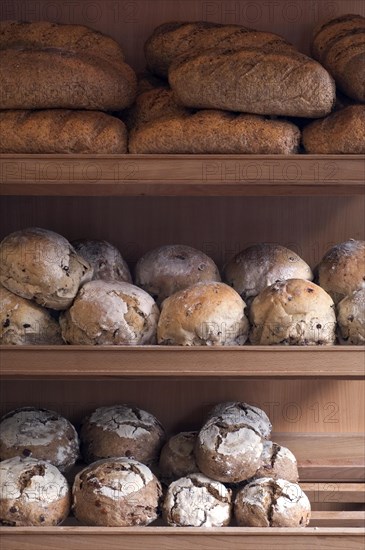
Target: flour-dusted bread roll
(41,265)
(168,269)
(342,132)
(351,318)
(277,462)
(229,448)
(177,457)
(244,413)
(266,502)
(205,314)
(105,259)
(41,434)
(197,501)
(61,131)
(121,430)
(339,44)
(259,266)
(293,312)
(116,492)
(24,322)
(32,493)
(110,313)
(342,269)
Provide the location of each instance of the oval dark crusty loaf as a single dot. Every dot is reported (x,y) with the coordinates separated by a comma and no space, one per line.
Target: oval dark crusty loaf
(56,78)
(213,131)
(339,45)
(342,132)
(282,82)
(61,131)
(170,40)
(43,34)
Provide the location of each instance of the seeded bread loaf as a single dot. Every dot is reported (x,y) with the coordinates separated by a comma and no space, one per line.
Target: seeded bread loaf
(61,131)
(351,318)
(105,259)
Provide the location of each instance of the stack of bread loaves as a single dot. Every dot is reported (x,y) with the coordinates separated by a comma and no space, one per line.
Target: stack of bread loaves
(55,81)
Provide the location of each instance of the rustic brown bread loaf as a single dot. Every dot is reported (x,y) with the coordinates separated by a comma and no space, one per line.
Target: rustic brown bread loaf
(61,131)
(339,45)
(43,34)
(342,132)
(57,78)
(262,81)
(213,131)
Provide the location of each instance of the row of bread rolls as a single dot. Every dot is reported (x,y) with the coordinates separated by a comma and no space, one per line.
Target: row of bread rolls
(199,470)
(268,295)
(212,102)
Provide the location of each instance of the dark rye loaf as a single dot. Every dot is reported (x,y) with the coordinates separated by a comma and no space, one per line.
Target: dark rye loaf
(61,131)
(339,45)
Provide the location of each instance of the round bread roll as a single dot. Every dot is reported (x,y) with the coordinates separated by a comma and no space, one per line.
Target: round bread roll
(278,463)
(351,318)
(293,312)
(177,457)
(168,269)
(41,265)
(229,449)
(116,492)
(41,434)
(267,502)
(243,412)
(259,266)
(105,259)
(206,314)
(121,430)
(24,322)
(197,501)
(110,313)
(342,269)
(32,493)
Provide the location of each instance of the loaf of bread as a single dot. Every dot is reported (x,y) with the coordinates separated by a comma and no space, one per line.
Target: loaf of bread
(277,462)
(351,318)
(342,132)
(339,44)
(105,259)
(177,457)
(61,131)
(53,78)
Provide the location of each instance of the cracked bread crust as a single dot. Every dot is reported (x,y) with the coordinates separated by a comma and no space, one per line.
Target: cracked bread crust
(266,502)
(351,318)
(23,322)
(105,259)
(197,501)
(228,449)
(205,314)
(241,412)
(116,492)
(41,434)
(293,312)
(32,493)
(110,313)
(121,430)
(177,457)
(277,463)
(41,265)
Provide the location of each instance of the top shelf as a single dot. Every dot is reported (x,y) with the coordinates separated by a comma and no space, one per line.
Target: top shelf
(182,175)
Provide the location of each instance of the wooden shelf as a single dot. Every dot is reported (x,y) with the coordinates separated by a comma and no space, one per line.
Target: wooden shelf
(176,361)
(181,175)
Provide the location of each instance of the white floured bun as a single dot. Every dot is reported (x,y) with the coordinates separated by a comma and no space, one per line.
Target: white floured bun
(165,270)
(266,502)
(177,457)
(351,318)
(244,413)
(293,312)
(41,434)
(197,501)
(278,462)
(116,492)
(105,259)
(259,266)
(32,493)
(41,265)
(121,430)
(205,314)
(110,313)
(342,269)
(24,322)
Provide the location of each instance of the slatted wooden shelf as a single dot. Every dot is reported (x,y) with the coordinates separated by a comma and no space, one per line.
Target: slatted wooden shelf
(182,175)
